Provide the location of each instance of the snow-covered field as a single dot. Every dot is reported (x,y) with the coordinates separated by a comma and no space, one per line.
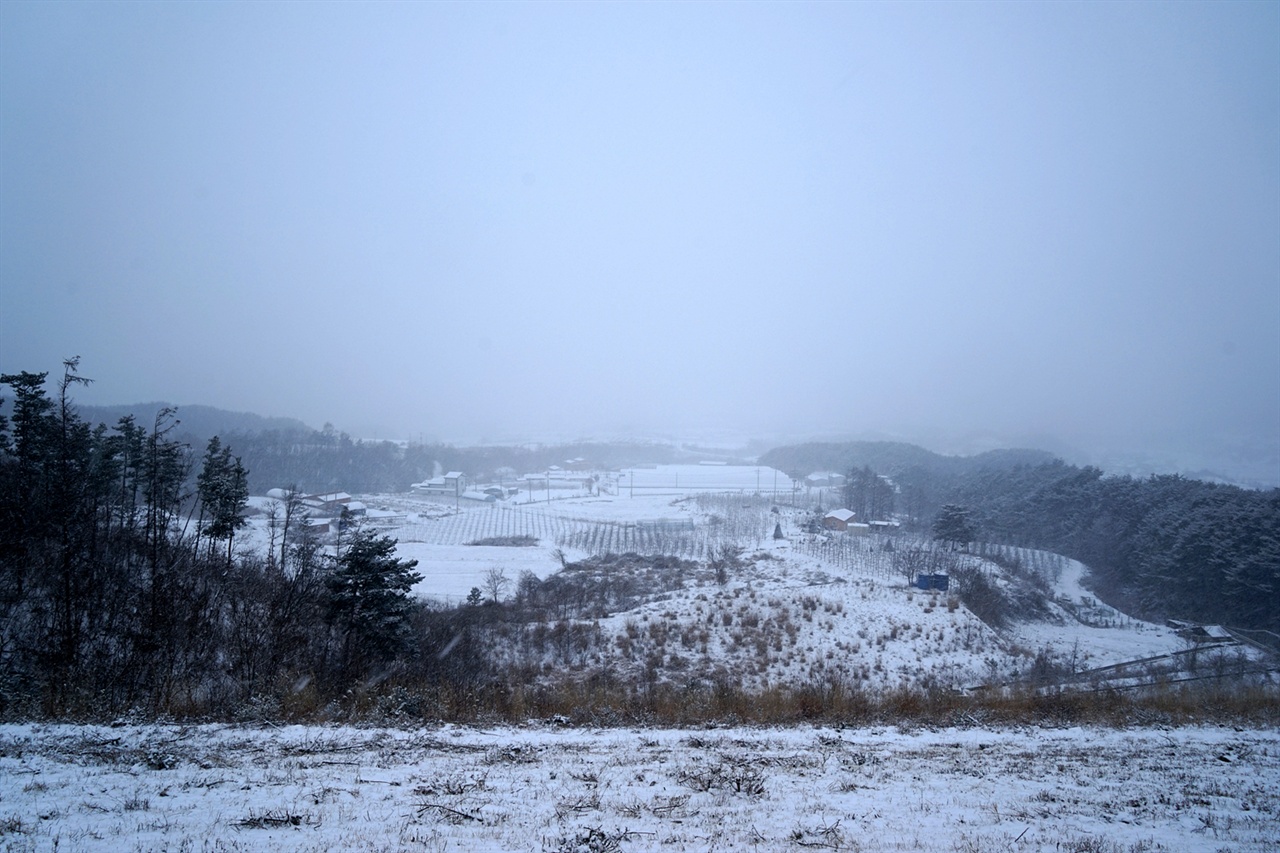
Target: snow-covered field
(541,788)
(691,479)
(797,610)
(1094,645)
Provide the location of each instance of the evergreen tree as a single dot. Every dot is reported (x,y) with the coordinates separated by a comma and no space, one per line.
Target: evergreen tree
(369,599)
(24,455)
(954,524)
(224,493)
(868,494)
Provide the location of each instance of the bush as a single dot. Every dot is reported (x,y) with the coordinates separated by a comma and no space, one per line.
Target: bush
(983,598)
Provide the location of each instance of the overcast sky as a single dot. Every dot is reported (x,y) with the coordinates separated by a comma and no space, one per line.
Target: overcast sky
(495,220)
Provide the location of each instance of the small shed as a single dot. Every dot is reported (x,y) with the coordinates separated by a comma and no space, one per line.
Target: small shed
(939,581)
(838,519)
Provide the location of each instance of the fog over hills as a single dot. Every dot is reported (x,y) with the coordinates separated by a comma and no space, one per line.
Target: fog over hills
(962,226)
(1249,464)
(201,422)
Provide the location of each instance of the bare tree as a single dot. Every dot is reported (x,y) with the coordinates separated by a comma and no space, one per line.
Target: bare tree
(912,562)
(495,583)
(293,512)
(727,556)
(273,525)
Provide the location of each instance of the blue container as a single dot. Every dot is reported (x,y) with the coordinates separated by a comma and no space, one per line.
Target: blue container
(939,582)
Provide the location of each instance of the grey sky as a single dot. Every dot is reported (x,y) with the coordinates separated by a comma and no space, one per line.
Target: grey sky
(466,220)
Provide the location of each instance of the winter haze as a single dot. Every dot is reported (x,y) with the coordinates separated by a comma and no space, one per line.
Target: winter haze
(961,224)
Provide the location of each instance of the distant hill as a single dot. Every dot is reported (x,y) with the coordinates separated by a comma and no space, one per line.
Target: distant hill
(195,422)
(891,458)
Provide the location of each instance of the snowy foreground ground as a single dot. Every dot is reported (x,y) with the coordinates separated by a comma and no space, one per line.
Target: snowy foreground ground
(539,787)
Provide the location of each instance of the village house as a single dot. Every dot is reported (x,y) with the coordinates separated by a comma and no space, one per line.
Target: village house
(454,483)
(333,503)
(838,519)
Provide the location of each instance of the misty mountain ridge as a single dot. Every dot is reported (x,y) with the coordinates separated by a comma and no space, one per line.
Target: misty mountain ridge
(1248,461)
(196,421)
(1245,461)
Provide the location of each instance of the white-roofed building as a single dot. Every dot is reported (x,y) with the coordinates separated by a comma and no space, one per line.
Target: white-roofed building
(838,519)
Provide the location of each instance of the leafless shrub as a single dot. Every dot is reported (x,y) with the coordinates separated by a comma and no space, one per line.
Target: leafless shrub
(581,804)
(725,558)
(453,785)
(669,806)
(272,820)
(595,840)
(828,836)
(136,803)
(447,813)
(737,778)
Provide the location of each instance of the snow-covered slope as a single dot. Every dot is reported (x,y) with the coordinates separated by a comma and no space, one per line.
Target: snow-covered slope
(806,609)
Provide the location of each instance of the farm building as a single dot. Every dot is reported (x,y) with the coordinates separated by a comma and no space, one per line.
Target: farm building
(333,503)
(838,519)
(1201,633)
(453,483)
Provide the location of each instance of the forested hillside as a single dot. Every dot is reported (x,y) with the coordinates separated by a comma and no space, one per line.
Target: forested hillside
(280,452)
(1163,546)
(325,460)
(892,458)
(194,422)
(120,588)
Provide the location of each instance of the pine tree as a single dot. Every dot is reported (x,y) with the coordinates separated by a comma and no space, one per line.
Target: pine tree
(369,599)
(954,525)
(223,486)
